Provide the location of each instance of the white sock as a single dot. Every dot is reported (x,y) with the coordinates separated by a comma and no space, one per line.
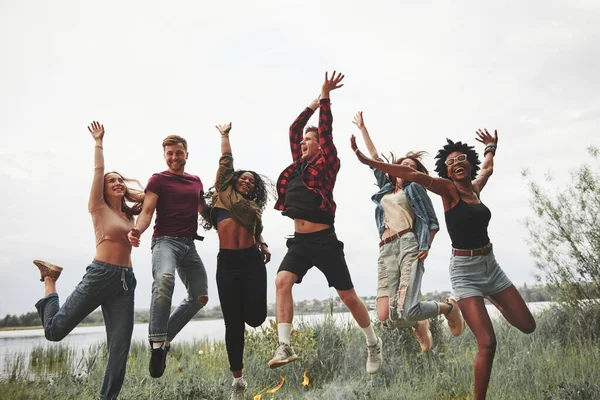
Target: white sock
(157,345)
(236,380)
(370,334)
(284,329)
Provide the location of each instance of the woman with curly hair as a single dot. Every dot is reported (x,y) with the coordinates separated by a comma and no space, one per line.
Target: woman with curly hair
(235,209)
(407,224)
(474,272)
(109,281)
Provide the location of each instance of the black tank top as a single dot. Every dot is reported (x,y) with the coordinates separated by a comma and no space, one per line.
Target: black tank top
(467,224)
(303,203)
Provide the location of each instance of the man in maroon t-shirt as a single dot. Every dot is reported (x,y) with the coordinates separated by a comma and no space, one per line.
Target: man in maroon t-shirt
(177,197)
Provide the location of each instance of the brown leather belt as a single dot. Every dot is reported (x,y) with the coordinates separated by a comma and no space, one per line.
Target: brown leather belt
(475,252)
(394,236)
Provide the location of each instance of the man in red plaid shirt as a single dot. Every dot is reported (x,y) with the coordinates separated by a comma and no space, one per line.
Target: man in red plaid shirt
(305,194)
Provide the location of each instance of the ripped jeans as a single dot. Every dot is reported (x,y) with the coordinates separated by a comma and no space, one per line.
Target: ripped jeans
(170,254)
(111,287)
(399,277)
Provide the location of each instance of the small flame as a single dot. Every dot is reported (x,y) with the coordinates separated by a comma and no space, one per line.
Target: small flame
(276,388)
(306,380)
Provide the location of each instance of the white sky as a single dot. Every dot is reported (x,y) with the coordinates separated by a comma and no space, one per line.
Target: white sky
(420,71)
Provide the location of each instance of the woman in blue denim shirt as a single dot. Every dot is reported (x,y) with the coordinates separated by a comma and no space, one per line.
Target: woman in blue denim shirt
(407,224)
(474,272)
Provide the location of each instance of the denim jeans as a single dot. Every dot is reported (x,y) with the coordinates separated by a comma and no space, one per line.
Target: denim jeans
(242,285)
(170,254)
(399,277)
(111,287)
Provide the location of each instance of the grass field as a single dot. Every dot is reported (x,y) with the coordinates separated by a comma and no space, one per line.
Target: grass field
(558,361)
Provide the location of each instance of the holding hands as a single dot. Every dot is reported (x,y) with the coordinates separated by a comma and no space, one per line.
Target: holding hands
(134,237)
(97,130)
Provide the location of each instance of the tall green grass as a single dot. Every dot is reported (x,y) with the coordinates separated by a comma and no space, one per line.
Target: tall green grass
(558,361)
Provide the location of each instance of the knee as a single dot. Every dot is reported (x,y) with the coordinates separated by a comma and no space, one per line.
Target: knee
(283,283)
(53,336)
(414,314)
(202,301)
(487,347)
(256,321)
(198,303)
(529,328)
(256,318)
(350,299)
(164,284)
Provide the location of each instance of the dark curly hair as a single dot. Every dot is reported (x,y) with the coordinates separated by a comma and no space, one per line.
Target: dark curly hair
(264,189)
(451,147)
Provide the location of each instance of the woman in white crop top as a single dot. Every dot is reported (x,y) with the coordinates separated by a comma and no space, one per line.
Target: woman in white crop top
(109,281)
(407,224)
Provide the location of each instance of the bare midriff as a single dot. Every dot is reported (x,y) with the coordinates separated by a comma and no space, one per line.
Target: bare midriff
(114,253)
(233,236)
(304,226)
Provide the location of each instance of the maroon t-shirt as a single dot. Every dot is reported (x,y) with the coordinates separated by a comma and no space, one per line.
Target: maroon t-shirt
(177,206)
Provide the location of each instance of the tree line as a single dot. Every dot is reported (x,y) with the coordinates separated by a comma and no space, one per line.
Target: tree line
(30,319)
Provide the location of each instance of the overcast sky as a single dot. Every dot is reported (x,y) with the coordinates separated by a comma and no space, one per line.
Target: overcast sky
(420,71)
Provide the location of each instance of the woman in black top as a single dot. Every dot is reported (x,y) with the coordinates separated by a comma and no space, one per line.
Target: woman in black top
(474,272)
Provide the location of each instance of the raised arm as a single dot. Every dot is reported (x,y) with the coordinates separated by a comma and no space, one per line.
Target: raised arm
(360,123)
(225,170)
(225,144)
(487,168)
(97,191)
(297,127)
(326,118)
(438,186)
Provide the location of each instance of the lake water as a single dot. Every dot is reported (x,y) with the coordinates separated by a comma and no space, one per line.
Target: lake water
(81,338)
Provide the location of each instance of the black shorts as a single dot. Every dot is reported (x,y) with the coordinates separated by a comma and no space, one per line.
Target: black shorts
(320,249)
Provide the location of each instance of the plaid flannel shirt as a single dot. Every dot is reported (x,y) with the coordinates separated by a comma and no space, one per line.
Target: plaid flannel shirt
(320,175)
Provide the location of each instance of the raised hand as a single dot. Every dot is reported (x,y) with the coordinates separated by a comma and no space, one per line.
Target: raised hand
(485,138)
(97,130)
(331,84)
(359,121)
(361,157)
(224,129)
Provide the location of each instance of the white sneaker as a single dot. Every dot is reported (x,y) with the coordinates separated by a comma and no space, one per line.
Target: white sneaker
(238,389)
(374,357)
(283,355)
